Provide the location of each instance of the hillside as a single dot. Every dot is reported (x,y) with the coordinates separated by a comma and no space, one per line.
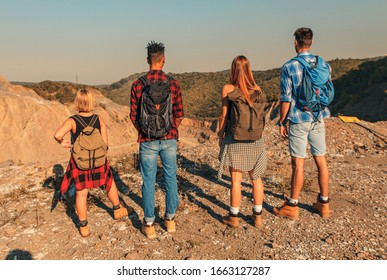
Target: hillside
(64,92)
(363,92)
(359,85)
(201,91)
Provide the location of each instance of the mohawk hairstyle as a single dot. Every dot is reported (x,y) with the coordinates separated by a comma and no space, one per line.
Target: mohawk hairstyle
(155,51)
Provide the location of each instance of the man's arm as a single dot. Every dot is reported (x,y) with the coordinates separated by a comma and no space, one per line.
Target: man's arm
(136,125)
(178,121)
(177,107)
(285,99)
(284,110)
(134,105)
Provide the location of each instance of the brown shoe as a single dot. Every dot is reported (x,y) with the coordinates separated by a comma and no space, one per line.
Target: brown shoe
(287,210)
(148,231)
(85,231)
(257,219)
(322,207)
(122,211)
(170,225)
(231,220)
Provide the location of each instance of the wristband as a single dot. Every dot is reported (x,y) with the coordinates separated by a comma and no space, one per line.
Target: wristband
(281,124)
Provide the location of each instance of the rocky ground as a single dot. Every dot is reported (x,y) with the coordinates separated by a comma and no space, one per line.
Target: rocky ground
(357,230)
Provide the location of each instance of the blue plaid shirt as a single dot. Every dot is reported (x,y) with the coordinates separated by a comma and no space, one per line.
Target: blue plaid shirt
(291,77)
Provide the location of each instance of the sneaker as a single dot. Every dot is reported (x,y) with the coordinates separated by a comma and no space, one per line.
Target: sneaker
(85,231)
(231,220)
(148,231)
(322,207)
(170,224)
(287,210)
(257,219)
(122,211)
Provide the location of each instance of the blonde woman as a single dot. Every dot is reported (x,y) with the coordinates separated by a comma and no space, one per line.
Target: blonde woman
(87,179)
(242,156)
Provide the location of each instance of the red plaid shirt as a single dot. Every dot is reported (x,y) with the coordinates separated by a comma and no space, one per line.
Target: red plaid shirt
(177,104)
(87,179)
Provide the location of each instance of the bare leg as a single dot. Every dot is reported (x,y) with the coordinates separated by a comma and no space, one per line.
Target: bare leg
(113,194)
(297,181)
(81,204)
(323,174)
(236,180)
(257,190)
(235,198)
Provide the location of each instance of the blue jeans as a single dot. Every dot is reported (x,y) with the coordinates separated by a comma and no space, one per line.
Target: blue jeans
(149,152)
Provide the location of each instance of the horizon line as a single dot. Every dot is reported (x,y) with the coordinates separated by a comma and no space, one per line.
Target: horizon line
(201,72)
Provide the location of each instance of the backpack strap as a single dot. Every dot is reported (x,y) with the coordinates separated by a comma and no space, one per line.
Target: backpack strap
(80,120)
(144,80)
(305,63)
(168,79)
(93,120)
(302,61)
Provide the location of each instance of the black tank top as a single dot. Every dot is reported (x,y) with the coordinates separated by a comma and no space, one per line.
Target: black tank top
(80,127)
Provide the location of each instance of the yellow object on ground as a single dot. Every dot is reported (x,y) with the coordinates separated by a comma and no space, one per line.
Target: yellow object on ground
(347,119)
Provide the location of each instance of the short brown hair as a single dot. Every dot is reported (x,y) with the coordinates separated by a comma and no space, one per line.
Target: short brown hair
(84,101)
(304,36)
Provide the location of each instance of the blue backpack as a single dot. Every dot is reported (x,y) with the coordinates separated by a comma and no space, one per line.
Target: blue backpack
(316,90)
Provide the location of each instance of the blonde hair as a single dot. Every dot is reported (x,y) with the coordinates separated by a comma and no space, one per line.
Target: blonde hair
(241,76)
(84,101)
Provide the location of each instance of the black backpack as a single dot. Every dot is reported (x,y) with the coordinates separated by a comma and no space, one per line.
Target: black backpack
(156,107)
(246,123)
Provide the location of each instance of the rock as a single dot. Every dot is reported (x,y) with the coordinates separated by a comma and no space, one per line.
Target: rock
(329,241)
(10,231)
(131,256)
(6,163)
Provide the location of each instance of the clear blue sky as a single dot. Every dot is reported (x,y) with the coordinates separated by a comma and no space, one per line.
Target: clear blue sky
(103,41)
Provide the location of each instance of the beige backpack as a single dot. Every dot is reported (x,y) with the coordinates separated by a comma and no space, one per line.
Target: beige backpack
(89,149)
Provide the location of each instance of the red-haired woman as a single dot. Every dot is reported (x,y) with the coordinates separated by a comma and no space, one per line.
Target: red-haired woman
(241,156)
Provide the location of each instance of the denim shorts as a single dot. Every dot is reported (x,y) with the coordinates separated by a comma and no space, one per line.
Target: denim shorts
(301,133)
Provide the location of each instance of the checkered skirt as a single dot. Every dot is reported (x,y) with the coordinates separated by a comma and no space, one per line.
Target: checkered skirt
(243,156)
(87,179)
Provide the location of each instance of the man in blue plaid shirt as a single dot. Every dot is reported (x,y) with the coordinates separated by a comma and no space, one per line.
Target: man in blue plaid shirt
(304,127)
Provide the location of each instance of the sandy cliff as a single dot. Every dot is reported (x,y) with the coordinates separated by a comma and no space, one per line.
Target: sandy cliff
(28,123)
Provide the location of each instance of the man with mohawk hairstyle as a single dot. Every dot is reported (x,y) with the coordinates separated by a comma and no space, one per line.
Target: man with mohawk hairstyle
(156,113)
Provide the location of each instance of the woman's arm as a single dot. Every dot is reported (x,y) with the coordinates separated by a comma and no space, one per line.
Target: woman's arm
(62,131)
(223,117)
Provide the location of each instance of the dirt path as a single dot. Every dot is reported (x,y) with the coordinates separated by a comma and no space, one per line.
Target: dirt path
(356,230)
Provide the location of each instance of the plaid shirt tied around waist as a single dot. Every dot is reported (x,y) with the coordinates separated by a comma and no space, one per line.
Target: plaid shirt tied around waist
(87,179)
